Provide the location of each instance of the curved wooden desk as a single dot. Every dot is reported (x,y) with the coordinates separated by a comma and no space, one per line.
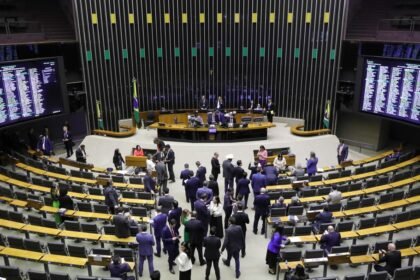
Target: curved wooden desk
(182,132)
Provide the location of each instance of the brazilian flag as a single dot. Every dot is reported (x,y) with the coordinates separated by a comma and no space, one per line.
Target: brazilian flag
(99,115)
(327,114)
(135,103)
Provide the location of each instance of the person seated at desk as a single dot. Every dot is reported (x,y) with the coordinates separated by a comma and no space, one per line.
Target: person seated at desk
(119,269)
(196,120)
(203,103)
(324,217)
(299,171)
(279,203)
(121,223)
(280,163)
(294,201)
(335,196)
(138,151)
(392,259)
(329,239)
(395,155)
(296,274)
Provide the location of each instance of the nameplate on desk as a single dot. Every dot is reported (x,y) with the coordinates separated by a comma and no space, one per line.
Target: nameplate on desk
(339,258)
(101,260)
(315,261)
(298,184)
(161,124)
(311,214)
(36,204)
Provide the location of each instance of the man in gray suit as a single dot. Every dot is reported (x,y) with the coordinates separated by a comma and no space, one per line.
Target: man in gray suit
(166,201)
(228,172)
(234,242)
(162,176)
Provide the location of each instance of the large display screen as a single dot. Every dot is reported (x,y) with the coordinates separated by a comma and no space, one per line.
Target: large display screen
(29,89)
(391,88)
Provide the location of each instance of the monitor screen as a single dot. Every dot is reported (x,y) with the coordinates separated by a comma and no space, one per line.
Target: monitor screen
(29,89)
(391,88)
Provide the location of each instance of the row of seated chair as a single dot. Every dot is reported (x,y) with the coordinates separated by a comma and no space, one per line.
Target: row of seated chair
(13,272)
(130,197)
(59,248)
(348,190)
(317,180)
(404,273)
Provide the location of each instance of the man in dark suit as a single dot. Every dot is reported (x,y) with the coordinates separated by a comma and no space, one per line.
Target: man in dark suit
(118,269)
(342,152)
(228,172)
(203,213)
(81,154)
(175,214)
(146,243)
(261,205)
(238,172)
(68,141)
(242,188)
(149,183)
(121,223)
(242,219)
(270,110)
(215,166)
(195,229)
(213,185)
(192,186)
(330,239)
(170,161)
(111,197)
(170,237)
(212,246)
(201,172)
(162,175)
(392,259)
(324,217)
(166,201)
(253,168)
(159,222)
(203,103)
(186,174)
(234,242)
(271,175)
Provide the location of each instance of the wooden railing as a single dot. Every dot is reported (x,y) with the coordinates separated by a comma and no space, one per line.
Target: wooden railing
(130,132)
(298,130)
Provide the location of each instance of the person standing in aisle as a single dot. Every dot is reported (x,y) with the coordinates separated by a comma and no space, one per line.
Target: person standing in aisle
(228,172)
(234,242)
(68,141)
(212,246)
(242,219)
(170,237)
(158,222)
(215,166)
(162,176)
(146,243)
(170,161)
(185,175)
(270,110)
(184,262)
(111,197)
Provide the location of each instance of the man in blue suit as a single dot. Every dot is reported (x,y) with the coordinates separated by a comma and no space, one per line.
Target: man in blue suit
(146,243)
(186,174)
(258,182)
(149,183)
(170,237)
(192,186)
(159,222)
(175,214)
(261,204)
(205,191)
(311,164)
(342,152)
(271,174)
(203,214)
(324,217)
(201,172)
(330,239)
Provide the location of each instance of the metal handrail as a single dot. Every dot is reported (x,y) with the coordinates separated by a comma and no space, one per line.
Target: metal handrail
(395,23)
(30,26)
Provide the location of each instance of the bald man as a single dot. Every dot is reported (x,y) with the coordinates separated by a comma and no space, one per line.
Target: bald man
(329,239)
(392,259)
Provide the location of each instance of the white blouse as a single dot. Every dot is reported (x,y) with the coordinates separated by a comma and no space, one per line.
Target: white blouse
(150,165)
(216,210)
(184,262)
(280,164)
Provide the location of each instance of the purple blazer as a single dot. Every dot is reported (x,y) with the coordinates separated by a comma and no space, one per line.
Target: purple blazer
(146,243)
(159,222)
